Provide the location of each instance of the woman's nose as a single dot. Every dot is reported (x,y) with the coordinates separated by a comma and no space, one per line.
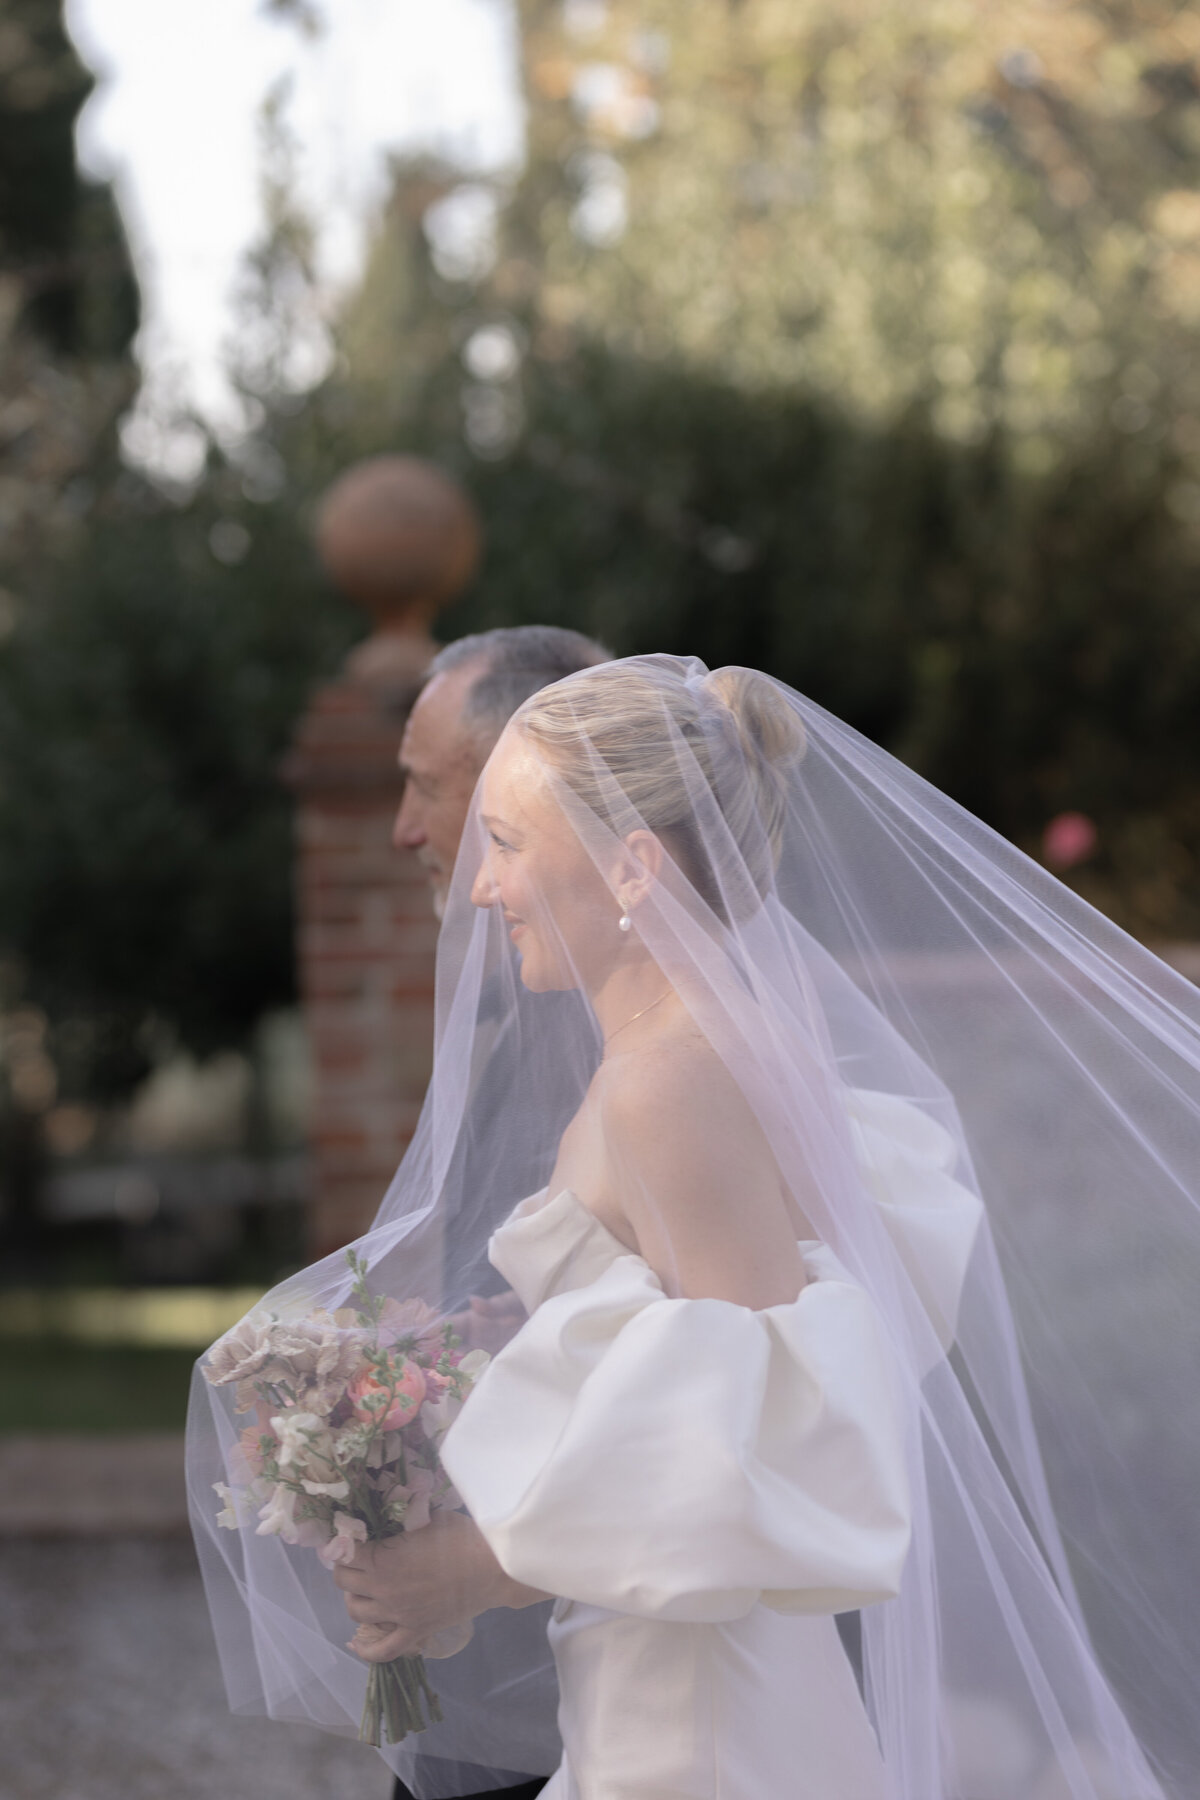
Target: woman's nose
(483,889)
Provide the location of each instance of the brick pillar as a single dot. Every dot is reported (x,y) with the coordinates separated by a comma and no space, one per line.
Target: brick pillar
(400,538)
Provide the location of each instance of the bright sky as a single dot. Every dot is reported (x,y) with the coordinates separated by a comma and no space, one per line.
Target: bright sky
(174,122)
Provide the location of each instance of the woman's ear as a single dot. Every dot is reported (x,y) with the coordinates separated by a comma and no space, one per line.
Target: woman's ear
(640,865)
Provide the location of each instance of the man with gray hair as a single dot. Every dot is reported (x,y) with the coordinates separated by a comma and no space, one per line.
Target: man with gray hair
(472,689)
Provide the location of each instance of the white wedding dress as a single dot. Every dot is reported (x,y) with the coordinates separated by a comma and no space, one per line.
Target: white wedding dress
(704,1487)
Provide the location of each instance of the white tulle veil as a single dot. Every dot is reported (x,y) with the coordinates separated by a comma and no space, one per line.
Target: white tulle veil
(985,1099)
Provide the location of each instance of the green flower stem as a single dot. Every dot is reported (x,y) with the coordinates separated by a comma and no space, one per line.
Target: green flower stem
(393,1704)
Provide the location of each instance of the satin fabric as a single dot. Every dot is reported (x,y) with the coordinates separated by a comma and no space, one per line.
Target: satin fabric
(829,924)
(685,1475)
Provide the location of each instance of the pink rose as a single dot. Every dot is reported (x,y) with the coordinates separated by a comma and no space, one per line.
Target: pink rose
(369,1389)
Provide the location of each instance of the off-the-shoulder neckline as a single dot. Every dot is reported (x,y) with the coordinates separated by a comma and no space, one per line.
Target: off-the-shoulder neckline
(551,1206)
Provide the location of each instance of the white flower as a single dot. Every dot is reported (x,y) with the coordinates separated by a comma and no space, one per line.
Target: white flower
(352,1441)
(305,1446)
(332,1490)
(227,1518)
(437,1416)
(277,1518)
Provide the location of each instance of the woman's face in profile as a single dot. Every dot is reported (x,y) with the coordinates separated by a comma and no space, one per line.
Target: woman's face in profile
(559,912)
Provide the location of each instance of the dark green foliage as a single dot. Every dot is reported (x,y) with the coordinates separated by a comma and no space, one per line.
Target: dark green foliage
(48,1385)
(145,835)
(1030,641)
(1029,644)
(59,232)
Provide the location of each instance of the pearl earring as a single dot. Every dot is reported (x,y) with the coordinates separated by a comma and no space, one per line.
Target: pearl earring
(624,923)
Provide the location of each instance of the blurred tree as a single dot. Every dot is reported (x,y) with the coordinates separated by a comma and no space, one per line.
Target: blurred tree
(991,209)
(856,347)
(862,347)
(68,299)
(145,706)
(147,700)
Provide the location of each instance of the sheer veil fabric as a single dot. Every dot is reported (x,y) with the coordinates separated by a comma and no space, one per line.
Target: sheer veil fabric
(981,1098)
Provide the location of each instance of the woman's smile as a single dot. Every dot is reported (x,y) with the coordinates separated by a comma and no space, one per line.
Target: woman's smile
(556,903)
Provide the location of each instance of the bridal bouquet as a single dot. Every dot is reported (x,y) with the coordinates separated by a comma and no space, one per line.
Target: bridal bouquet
(350,1408)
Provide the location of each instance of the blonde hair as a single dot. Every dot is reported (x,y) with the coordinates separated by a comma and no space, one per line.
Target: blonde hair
(628,740)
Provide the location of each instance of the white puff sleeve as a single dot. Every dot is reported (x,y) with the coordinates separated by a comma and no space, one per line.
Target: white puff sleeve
(685,1459)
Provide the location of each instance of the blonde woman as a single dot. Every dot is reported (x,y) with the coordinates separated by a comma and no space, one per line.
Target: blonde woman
(763,1370)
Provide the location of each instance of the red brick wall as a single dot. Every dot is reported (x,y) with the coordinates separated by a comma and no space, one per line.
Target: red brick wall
(366,938)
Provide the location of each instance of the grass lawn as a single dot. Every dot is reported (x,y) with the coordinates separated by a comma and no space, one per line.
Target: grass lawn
(48,1384)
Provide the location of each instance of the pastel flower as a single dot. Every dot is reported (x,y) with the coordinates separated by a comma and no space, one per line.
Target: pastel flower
(437,1416)
(410,1502)
(412,1319)
(316,1348)
(368,1394)
(306,1446)
(277,1518)
(348,1533)
(245,1459)
(350,1443)
(328,1490)
(241,1353)
(227,1518)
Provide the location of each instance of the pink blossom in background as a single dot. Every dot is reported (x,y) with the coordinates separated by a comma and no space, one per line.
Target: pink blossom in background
(1069,838)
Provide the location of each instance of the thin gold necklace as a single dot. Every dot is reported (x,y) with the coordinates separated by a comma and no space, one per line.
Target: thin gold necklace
(639,1015)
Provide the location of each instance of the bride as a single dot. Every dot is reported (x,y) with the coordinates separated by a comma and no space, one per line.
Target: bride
(767,1372)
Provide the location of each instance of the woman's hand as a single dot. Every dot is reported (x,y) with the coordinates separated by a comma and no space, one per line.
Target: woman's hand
(489,1321)
(402,1590)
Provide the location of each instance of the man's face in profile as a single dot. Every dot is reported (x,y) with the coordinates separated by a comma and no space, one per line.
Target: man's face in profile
(441,761)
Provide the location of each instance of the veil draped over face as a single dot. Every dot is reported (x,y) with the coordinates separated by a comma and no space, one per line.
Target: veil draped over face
(981,1096)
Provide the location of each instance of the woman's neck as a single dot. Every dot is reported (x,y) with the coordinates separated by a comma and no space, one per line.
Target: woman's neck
(632,986)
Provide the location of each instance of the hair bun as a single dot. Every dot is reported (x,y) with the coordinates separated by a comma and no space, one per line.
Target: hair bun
(629,739)
(771,731)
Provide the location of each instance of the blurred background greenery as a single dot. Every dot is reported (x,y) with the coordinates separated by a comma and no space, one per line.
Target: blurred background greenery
(855,343)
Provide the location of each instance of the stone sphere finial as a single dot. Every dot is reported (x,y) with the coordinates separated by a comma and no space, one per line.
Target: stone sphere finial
(400,536)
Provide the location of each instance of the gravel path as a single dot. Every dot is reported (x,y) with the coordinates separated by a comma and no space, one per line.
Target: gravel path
(112,1689)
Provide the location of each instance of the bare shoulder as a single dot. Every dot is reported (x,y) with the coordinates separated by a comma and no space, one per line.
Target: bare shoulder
(694,1176)
(674,1083)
